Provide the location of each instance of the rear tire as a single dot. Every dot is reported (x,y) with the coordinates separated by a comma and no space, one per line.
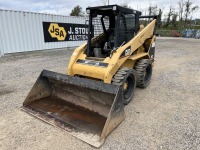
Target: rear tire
(143,70)
(125,77)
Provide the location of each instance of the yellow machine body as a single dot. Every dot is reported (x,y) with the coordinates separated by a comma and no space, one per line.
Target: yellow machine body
(85,102)
(115,61)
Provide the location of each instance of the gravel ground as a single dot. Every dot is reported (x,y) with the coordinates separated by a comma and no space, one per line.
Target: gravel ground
(163,116)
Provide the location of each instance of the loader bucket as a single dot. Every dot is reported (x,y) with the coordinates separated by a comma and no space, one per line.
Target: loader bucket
(87,109)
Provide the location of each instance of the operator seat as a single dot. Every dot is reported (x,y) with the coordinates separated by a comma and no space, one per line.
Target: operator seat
(109,44)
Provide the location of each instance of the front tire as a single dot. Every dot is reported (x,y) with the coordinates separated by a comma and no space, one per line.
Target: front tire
(125,77)
(143,70)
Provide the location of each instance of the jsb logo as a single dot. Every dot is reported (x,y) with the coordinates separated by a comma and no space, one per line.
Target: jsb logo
(57,32)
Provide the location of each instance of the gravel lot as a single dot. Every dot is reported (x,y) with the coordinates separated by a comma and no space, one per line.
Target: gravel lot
(166,115)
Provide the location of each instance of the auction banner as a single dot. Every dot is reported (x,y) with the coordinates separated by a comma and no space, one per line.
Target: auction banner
(56,32)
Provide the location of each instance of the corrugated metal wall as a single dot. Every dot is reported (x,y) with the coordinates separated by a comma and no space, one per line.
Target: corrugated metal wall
(23,31)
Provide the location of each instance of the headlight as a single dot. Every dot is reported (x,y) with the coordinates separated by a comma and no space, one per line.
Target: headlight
(114,7)
(88,11)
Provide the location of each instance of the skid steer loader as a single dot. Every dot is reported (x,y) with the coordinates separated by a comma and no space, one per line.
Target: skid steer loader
(102,75)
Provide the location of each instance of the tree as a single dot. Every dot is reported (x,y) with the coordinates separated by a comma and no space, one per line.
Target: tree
(152,10)
(77,11)
(188,4)
(170,13)
(159,18)
(174,18)
(181,5)
(189,9)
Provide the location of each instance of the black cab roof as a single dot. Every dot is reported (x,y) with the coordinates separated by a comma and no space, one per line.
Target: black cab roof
(115,8)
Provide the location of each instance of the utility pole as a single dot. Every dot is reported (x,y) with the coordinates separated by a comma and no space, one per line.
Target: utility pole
(108,2)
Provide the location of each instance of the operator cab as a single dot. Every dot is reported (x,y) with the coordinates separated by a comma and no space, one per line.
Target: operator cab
(109,28)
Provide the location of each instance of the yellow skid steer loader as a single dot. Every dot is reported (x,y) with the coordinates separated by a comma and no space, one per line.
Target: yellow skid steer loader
(102,75)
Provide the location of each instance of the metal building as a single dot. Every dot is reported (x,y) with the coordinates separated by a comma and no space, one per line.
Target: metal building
(24,31)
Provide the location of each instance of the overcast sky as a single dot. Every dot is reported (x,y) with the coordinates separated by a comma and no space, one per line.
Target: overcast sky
(64,7)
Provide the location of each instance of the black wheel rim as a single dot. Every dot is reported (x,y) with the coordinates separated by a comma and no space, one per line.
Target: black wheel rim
(130,81)
(148,74)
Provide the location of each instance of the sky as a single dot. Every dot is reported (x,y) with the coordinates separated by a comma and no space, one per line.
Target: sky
(64,7)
